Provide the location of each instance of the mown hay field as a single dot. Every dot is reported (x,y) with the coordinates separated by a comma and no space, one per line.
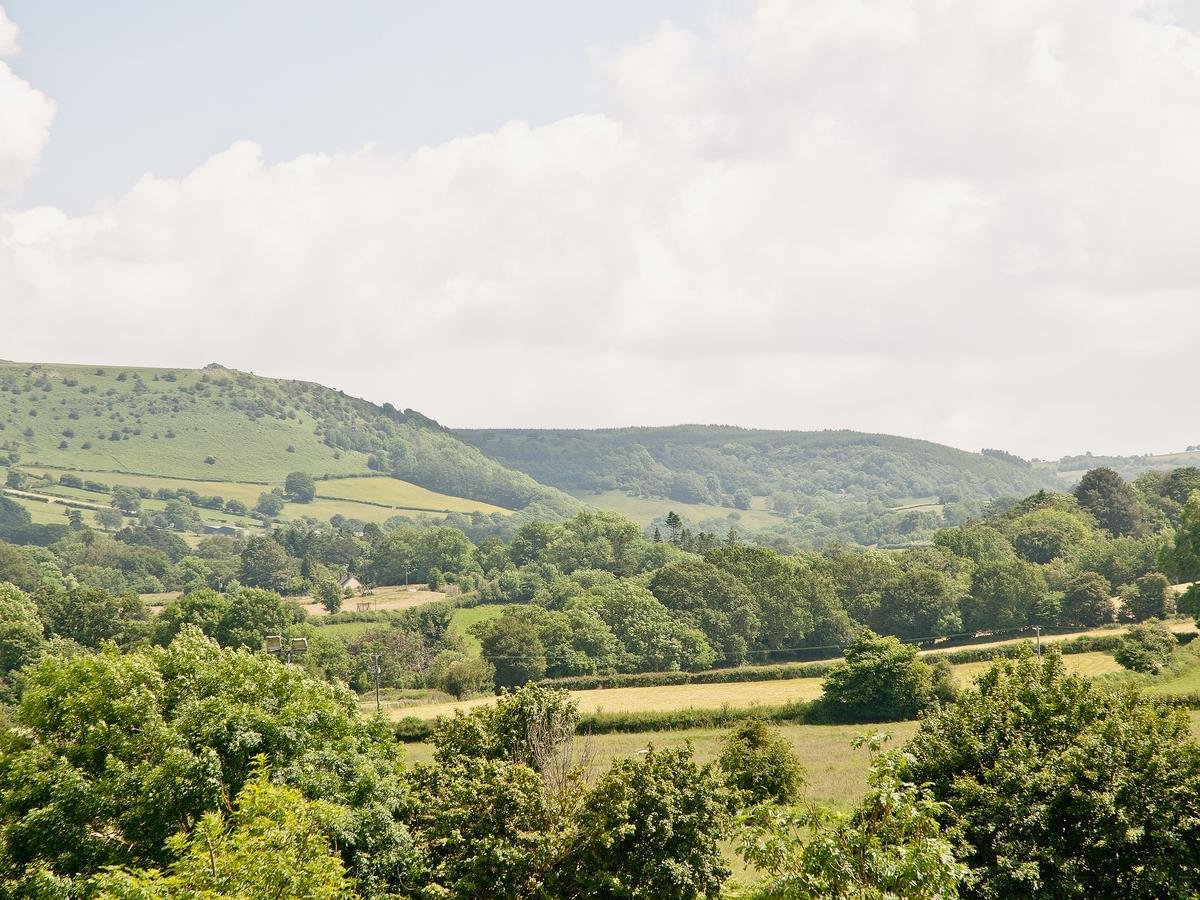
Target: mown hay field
(743,694)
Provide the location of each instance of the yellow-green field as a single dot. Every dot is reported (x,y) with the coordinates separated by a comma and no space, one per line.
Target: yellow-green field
(400,494)
(737,694)
(836,771)
(644,510)
(353,498)
(462,619)
(385,598)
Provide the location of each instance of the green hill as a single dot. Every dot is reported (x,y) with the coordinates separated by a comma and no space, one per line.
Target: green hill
(820,485)
(234,434)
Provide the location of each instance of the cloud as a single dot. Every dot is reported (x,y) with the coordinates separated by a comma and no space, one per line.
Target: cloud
(25,115)
(969,222)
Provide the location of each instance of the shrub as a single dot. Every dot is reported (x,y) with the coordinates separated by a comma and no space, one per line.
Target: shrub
(1147,647)
(759,765)
(882,681)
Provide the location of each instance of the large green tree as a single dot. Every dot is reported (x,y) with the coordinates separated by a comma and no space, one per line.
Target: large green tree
(111,754)
(21,633)
(1114,504)
(300,487)
(712,600)
(1055,786)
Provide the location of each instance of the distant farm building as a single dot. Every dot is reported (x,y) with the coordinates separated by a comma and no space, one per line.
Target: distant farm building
(227,530)
(351,583)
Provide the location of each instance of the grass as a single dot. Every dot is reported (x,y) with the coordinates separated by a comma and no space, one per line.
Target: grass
(463,619)
(386,598)
(742,694)
(399,494)
(204,425)
(365,505)
(1089,664)
(217,431)
(644,510)
(837,773)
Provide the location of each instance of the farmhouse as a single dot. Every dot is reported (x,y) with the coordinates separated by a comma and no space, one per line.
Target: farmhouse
(228,530)
(351,583)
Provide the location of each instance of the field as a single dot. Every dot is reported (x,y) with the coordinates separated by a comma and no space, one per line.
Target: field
(462,619)
(359,506)
(222,432)
(735,694)
(400,495)
(243,448)
(390,597)
(644,510)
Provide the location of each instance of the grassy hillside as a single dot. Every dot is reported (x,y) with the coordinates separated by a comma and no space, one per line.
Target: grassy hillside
(821,485)
(221,432)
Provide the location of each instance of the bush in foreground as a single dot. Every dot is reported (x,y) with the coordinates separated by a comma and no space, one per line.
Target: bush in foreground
(1056,786)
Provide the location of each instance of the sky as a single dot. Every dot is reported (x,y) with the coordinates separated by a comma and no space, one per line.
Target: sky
(967,222)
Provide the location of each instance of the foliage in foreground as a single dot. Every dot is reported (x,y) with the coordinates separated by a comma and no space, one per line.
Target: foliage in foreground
(1051,785)
(892,846)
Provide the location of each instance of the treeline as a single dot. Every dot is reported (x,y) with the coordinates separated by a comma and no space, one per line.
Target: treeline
(595,596)
(824,485)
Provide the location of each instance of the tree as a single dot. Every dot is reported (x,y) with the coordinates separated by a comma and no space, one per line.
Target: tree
(1150,597)
(482,828)
(330,593)
(17,568)
(1146,647)
(109,519)
(674,525)
(531,726)
(203,608)
(252,614)
(882,680)
(650,637)
(891,846)
(1046,534)
(713,601)
(512,645)
(919,602)
(1114,504)
(649,828)
(1053,785)
(1005,595)
(180,515)
(274,843)
(126,499)
(270,503)
(265,564)
(89,615)
(759,765)
(1180,483)
(299,487)
(1182,560)
(21,637)
(115,753)
(1087,601)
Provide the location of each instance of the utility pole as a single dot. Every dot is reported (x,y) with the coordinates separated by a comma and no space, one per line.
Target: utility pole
(1037,629)
(376,671)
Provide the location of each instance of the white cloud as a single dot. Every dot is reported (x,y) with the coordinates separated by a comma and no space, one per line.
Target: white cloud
(25,115)
(964,221)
